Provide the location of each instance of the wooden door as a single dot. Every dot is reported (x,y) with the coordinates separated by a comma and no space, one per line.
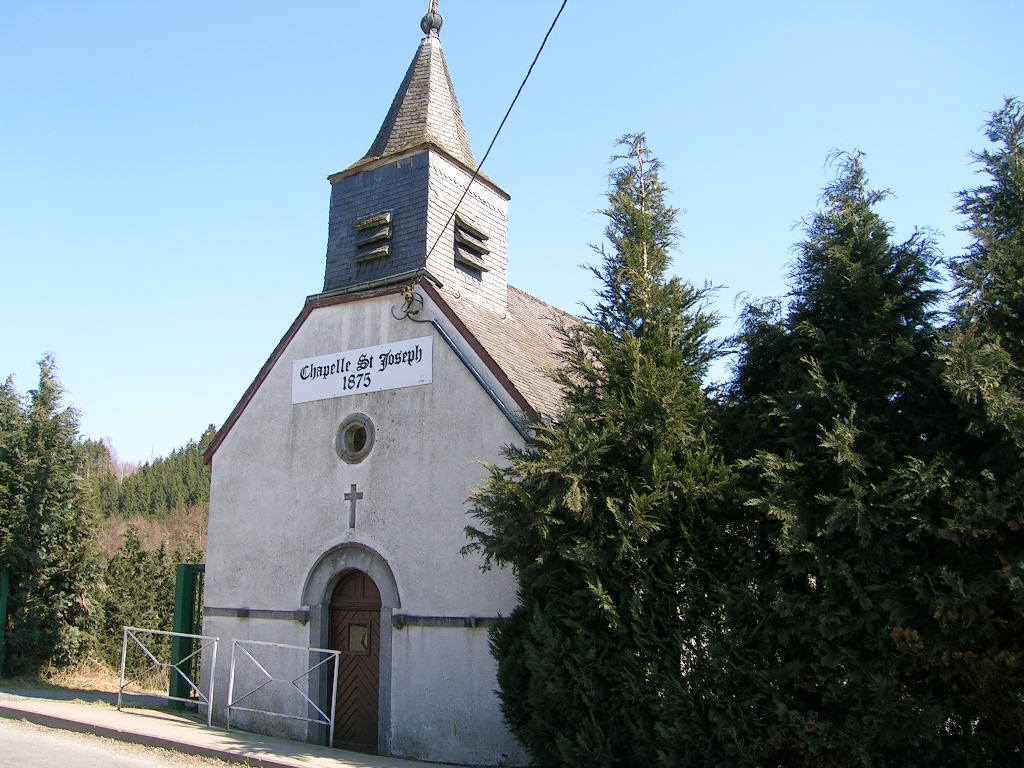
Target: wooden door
(355,631)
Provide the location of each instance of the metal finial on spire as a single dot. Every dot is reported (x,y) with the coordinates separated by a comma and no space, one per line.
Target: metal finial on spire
(431,23)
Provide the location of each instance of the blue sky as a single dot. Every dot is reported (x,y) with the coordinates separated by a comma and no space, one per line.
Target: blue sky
(163,205)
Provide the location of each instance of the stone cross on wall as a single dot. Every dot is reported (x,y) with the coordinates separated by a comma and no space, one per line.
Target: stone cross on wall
(352,497)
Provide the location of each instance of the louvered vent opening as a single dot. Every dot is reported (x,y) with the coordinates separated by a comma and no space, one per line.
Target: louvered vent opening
(471,247)
(373,237)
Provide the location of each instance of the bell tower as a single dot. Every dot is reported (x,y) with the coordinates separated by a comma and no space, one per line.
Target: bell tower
(411,208)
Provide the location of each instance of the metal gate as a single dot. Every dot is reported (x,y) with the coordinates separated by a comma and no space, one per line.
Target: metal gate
(193,689)
(259,658)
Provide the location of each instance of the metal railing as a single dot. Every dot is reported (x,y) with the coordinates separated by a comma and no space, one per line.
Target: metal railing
(204,699)
(328,655)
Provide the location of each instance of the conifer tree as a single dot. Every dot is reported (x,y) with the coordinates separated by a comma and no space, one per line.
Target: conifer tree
(612,516)
(975,655)
(139,593)
(834,390)
(96,468)
(47,530)
(987,342)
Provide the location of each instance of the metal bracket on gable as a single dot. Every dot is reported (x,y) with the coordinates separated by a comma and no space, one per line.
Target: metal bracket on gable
(412,304)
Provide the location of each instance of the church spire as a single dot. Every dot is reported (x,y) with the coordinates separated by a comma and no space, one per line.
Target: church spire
(425,109)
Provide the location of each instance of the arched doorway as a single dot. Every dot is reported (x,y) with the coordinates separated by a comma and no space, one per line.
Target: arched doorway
(355,631)
(324,575)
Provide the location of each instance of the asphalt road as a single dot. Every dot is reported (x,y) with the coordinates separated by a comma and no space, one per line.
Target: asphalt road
(24,745)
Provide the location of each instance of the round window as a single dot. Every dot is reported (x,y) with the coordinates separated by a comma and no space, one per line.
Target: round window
(355,438)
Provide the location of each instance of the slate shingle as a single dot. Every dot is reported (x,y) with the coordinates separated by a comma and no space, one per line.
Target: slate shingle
(523,343)
(424,110)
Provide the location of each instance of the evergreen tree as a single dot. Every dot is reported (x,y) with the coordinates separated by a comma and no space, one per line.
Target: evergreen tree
(987,342)
(139,593)
(12,481)
(612,516)
(975,654)
(96,468)
(95,459)
(48,533)
(835,390)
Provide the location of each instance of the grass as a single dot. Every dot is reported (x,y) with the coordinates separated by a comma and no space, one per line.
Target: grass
(90,675)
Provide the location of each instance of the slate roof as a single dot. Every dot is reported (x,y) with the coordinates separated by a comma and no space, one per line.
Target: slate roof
(424,110)
(523,343)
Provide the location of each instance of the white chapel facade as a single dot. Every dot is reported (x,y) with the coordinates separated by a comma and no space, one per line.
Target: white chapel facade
(340,480)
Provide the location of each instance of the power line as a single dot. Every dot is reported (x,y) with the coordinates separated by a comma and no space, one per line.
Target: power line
(501,125)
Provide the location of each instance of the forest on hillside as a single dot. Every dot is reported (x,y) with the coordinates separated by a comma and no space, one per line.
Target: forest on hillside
(90,544)
(166,499)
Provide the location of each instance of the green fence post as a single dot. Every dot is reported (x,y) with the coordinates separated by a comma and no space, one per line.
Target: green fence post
(188,606)
(5,584)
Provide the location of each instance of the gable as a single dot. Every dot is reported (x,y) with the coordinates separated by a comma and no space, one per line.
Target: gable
(508,355)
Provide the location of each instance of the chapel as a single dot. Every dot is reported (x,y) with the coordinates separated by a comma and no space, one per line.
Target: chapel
(340,480)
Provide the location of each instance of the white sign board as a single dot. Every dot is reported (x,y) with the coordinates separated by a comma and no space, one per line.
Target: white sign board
(371,369)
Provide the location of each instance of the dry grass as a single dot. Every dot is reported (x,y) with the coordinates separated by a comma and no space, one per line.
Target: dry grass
(154,683)
(175,531)
(90,675)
